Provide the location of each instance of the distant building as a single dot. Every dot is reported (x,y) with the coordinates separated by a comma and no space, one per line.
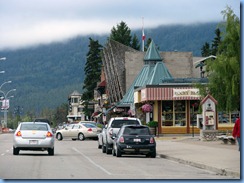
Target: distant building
(75,112)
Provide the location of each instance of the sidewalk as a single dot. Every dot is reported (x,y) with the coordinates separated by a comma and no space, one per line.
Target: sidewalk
(215,156)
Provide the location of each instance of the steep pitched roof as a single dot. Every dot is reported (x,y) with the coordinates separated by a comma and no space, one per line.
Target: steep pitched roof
(152,53)
(149,75)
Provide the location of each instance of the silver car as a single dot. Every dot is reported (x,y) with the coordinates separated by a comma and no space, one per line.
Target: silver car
(78,131)
(34,136)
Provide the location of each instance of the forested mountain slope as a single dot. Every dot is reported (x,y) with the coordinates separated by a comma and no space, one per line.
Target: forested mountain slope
(45,75)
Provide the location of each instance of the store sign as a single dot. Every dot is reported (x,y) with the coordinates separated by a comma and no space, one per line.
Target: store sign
(186,93)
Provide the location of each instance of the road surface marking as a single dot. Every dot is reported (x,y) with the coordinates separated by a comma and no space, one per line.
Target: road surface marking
(107,172)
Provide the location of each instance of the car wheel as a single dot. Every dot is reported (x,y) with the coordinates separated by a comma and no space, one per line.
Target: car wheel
(103,148)
(51,151)
(81,136)
(153,154)
(59,136)
(113,152)
(118,152)
(15,151)
(99,146)
(108,151)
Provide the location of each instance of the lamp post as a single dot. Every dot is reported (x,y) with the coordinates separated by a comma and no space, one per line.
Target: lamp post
(5,104)
(4,84)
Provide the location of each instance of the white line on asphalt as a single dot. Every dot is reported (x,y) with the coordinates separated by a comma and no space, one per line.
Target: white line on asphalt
(107,172)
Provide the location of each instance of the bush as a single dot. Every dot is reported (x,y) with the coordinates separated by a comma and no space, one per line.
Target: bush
(152,124)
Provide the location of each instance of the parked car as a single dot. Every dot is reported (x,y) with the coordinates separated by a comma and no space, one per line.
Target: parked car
(134,139)
(79,131)
(113,127)
(100,139)
(36,136)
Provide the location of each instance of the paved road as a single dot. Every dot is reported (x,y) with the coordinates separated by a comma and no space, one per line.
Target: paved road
(83,160)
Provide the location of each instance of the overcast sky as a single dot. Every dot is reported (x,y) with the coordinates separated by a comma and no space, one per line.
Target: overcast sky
(29,22)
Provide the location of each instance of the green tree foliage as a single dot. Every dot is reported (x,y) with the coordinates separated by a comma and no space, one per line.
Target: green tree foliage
(206,50)
(224,71)
(92,71)
(135,43)
(60,114)
(122,34)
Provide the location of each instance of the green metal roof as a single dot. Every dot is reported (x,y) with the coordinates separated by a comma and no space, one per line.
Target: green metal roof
(152,53)
(149,75)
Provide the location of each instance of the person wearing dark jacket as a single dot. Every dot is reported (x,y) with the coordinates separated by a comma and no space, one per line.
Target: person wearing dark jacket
(236,132)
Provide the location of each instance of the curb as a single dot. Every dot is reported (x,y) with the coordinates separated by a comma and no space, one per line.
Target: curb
(219,171)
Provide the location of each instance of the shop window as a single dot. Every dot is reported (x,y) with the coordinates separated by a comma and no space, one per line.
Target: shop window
(227,118)
(167,113)
(180,112)
(174,113)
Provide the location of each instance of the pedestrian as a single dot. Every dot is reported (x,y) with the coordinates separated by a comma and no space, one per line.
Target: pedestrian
(236,132)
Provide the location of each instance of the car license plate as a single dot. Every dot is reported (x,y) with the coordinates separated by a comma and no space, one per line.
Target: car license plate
(137,140)
(33,142)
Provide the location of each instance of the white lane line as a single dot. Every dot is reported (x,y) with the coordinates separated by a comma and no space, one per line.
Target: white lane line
(107,172)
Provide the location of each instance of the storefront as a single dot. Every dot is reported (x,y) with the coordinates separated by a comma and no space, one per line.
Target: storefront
(175,106)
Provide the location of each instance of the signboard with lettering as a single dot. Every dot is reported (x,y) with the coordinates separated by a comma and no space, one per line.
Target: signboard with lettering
(190,92)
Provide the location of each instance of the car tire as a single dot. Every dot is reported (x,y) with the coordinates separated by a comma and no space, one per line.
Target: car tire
(113,152)
(15,151)
(153,154)
(108,151)
(118,153)
(81,136)
(98,145)
(59,136)
(103,148)
(50,151)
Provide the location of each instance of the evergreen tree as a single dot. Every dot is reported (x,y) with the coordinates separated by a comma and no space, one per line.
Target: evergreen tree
(92,71)
(206,51)
(224,71)
(216,42)
(135,43)
(121,33)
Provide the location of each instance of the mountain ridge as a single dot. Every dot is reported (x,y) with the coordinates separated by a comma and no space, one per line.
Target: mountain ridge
(45,75)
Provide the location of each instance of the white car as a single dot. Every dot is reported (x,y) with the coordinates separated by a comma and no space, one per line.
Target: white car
(35,136)
(79,131)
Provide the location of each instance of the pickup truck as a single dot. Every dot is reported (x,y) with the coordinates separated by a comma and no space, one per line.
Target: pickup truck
(113,127)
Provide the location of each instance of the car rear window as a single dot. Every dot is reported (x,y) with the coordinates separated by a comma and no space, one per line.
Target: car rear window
(89,125)
(136,131)
(39,127)
(120,123)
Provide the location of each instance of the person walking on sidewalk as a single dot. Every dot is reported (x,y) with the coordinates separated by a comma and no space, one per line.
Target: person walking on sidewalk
(236,132)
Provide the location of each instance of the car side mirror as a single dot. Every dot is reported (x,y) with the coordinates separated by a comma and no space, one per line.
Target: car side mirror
(114,136)
(106,126)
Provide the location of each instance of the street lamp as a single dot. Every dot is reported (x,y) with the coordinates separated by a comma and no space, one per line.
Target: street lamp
(4,84)
(5,103)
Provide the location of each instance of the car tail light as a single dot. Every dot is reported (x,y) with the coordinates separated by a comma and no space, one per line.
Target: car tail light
(121,140)
(89,130)
(18,134)
(152,141)
(49,134)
